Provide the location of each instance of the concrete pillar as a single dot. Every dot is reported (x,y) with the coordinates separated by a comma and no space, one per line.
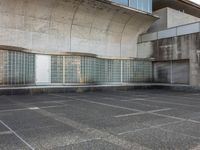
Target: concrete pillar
(194,64)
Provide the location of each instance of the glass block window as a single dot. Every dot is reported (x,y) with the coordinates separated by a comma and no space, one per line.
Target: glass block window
(88,70)
(85,69)
(17,68)
(72,69)
(57,69)
(128,68)
(116,70)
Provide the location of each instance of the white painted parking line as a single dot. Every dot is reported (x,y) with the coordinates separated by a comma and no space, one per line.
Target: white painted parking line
(27,144)
(173,96)
(136,99)
(109,105)
(32,108)
(173,103)
(173,117)
(150,127)
(92,132)
(5,132)
(140,113)
(103,104)
(160,127)
(10,110)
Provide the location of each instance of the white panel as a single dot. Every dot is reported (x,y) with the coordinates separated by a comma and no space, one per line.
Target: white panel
(167,33)
(188,29)
(43,69)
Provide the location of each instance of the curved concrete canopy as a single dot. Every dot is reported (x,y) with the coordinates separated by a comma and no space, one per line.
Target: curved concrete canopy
(86,26)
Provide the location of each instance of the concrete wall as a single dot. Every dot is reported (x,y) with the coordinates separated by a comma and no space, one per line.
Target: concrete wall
(177,18)
(89,26)
(145,50)
(185,47)
(171,18)
(194,54)
(1,67)
(161,23)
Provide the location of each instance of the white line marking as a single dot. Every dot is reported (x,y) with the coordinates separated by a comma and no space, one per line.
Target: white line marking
(17,135)
(174,103)
(160,127)
(150,127)
(103,104)
(5,132)
(109,105)
(140,113)
(9,110)
(178,118)
(33,108)
(158,110)
(173,96)
(30,108)
(136,99)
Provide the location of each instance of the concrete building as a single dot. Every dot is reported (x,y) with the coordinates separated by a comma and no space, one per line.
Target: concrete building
(59,42)
(174,43)
(72,42)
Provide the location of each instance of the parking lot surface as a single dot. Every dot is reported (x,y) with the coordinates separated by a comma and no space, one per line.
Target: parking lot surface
(117,120)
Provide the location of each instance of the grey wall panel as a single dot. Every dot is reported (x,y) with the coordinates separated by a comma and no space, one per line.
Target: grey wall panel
(180,72)
(162,72)
(149,37)
(167,33)
(1,67)
(174,72)
(188,29)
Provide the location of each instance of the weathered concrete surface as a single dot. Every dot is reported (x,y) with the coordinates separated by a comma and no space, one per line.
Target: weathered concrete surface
(117,120)
(185,47)
(194,54)
(89,26)
(171,18)
(145,50)
(1,67)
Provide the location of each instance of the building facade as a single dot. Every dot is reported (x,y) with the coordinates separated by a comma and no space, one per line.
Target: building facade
(53,42)
(70,42)
(174,43)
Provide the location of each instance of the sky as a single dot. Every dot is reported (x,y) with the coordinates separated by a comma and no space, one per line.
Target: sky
(196,1)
